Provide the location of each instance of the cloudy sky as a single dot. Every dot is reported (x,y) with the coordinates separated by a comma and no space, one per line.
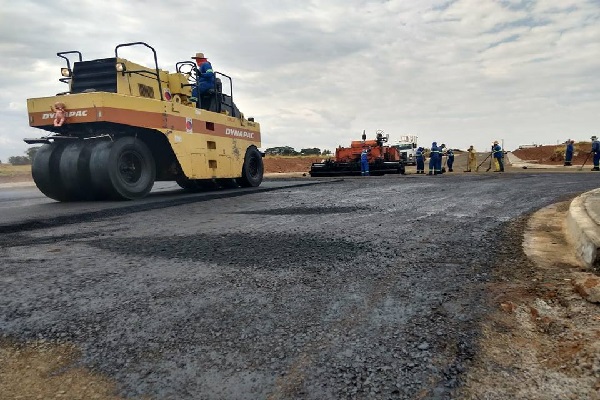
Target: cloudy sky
(317,73)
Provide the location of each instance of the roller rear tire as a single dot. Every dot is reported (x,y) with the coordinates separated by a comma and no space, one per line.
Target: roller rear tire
(45,171)
(74,170)
(123,169)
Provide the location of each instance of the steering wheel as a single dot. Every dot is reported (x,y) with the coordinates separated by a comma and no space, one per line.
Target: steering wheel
(189,70)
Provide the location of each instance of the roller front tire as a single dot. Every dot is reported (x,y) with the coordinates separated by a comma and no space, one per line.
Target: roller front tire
(252,170)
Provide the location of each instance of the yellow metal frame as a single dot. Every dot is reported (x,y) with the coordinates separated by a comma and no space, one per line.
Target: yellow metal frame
(206,144)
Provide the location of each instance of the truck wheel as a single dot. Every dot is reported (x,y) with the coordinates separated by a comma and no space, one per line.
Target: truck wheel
(45,171)
(74,168)
(124,169)
(252,170)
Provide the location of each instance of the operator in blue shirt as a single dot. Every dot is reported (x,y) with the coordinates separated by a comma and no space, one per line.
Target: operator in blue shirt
(206,78)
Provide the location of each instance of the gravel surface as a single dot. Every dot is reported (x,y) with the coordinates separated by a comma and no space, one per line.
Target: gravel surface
(367,288)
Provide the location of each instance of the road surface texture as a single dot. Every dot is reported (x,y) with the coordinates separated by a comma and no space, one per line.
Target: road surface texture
(369,288)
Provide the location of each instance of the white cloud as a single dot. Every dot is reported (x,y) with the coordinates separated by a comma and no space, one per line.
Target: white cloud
(316,73)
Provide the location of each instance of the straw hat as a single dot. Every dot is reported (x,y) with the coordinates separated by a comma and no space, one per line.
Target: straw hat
(199,55)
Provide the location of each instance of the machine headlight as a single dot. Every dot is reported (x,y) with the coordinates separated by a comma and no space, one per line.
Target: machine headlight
(120,67)
(66,72)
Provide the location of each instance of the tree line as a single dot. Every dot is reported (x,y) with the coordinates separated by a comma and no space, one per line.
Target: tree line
(290,151)
(272,151)
(23,160)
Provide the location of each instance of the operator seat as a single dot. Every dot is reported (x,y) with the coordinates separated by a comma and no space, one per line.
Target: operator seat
(211,100)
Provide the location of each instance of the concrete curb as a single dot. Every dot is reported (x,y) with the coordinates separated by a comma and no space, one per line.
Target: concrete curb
(583,230)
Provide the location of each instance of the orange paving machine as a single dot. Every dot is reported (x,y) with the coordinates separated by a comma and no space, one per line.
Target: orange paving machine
(383,159)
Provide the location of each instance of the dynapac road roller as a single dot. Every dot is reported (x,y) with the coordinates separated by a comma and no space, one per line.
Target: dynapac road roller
(383,159)
(122,126)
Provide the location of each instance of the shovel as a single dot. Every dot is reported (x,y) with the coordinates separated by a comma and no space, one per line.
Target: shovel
(587,158)
(477,169)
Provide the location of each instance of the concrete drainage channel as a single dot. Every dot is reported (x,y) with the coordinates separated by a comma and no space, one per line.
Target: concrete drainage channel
(583,227)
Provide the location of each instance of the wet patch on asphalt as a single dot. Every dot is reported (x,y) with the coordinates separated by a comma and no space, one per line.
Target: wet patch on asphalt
(243,249)
(309,210)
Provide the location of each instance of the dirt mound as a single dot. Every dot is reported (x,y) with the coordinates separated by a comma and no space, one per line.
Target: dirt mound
(289,164)
(554,154)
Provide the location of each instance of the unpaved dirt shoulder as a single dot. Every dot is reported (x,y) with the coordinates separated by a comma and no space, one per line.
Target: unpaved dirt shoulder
(43,370)
(543,340)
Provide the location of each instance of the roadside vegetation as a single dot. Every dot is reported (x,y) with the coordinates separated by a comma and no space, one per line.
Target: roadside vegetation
(14,170)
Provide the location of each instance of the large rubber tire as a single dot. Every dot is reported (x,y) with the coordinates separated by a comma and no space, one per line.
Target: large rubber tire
(252,170)
(46,172)
(123,169)
(74,170)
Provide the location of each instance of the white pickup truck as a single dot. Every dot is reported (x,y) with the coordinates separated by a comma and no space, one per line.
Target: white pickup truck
(407,147)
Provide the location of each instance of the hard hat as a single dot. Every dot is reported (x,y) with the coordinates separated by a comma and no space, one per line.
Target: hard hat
(199,55)
(434,144)
(594,138)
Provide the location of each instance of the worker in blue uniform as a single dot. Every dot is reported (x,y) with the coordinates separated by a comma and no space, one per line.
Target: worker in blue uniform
(498,156)
(420,158)
(596,153)
(569,153)
(450,159)
(434,156)
(364,162)
(206,78)
(440,162)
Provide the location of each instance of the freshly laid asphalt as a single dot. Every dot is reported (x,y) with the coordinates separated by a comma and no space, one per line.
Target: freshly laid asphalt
(583,219)
(366,288)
